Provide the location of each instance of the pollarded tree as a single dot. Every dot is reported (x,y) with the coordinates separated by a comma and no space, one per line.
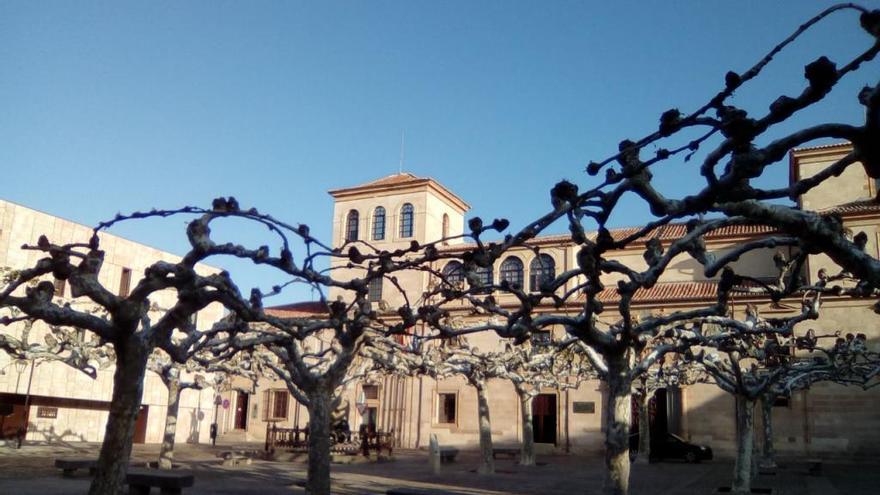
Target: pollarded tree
(733,150)
(542,364)
(61,344)
(669,372)
(134,334)
(173,376)
(848,362)
(753,366)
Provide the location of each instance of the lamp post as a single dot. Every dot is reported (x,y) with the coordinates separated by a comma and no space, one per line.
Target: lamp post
(20,366)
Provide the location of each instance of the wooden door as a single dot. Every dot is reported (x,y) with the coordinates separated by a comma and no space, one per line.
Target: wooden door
(544,418)
(241,408)
(12,418)
(140,425)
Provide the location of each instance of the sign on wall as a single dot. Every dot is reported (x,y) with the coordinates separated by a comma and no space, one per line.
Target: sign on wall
(584,407)
(47,412)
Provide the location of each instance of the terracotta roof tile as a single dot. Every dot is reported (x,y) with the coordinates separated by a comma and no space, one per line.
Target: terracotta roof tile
(392,179)
(668,292)
(855,208)
(665,233)
(299,309)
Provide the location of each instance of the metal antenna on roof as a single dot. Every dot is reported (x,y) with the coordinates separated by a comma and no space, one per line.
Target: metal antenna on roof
(402,143)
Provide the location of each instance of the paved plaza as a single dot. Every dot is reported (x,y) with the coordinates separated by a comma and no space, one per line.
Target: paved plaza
(31,471)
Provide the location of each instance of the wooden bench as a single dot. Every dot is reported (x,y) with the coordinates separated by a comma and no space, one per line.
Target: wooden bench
(447,454)
(69,466)
(511,452)
(170,482)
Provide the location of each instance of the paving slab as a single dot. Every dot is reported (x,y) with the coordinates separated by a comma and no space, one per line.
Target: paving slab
(31,471)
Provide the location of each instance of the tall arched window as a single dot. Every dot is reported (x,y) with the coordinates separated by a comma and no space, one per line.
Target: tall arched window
(406,220)
(541,269)
(453,273)
(351,225)
(445,228)
(485,276)
(379,223)
(512,271)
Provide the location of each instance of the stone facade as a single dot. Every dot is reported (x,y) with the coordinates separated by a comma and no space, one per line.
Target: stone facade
(825,419)
(66,404)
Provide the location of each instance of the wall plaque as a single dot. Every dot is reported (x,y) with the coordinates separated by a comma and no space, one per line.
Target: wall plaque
(47,412)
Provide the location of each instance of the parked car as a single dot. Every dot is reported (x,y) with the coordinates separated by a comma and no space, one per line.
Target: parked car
(671,446)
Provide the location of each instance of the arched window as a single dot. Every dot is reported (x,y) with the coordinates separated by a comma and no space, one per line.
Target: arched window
(406,220)
(541,269)
(445,229)
(453,273)
(351,225)
(485,277)
(512,271)
(379,223)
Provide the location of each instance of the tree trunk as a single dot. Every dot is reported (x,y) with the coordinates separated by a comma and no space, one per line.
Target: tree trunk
(166,454)
(768,459)
(527,453)
(487,461)
(319,443)
(128,389)
(745,427)
(644,428)
(617,425)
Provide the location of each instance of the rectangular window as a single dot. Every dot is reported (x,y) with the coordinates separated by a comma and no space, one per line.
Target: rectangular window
(541,339)
(446,408)
(275,405)
(125,282)
(375,287)
(371,392)
(59,287)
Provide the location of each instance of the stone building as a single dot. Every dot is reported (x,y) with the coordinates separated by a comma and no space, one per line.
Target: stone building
(393,211)
(58,402)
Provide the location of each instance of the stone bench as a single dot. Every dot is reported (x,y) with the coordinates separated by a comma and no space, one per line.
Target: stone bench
(419,491)
(69,466)
(235,458)
(448,454)
(169,482)
(511,452)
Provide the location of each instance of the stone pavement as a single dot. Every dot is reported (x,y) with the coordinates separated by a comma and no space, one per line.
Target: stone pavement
(31,471)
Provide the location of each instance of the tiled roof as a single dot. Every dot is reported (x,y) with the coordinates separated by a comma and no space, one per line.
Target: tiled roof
(855,208)
(669,292)
(392,179)
(299,309)
(844,144)
(402,180)
(665,233)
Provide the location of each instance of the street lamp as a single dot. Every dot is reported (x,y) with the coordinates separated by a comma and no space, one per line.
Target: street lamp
(20,366)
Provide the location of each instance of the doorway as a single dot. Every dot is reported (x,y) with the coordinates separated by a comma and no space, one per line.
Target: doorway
(544,418)
(241,409)
(140,425)
(370,416)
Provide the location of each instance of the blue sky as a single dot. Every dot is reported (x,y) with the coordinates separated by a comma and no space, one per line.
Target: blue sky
(120,106)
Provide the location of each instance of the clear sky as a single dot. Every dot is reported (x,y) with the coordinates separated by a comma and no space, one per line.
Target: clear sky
(120,106)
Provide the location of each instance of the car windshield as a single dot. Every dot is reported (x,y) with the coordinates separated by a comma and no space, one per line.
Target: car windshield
(676,437)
